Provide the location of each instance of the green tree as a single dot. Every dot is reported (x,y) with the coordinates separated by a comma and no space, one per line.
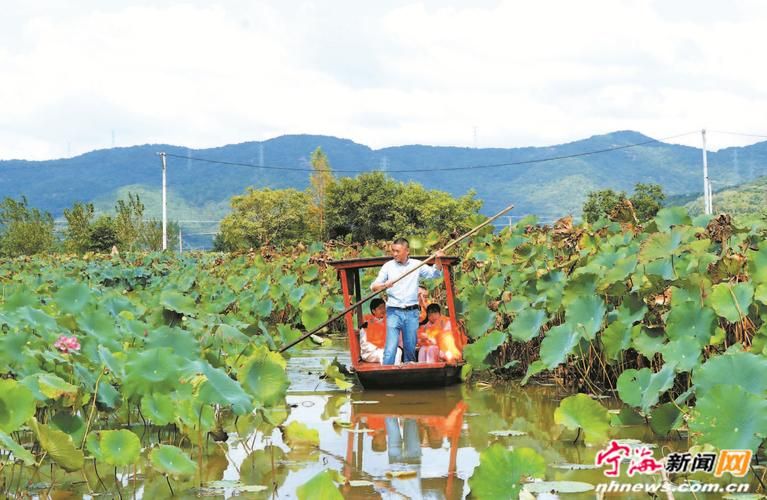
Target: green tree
(77,236)
(129,221)
(151,236)
(25,230)
(647,200)
(103,235)
(373,206)
(601,204)
(265,216)
(321,179)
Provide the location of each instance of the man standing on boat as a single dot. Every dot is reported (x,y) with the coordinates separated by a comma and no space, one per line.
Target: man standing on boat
(402,309)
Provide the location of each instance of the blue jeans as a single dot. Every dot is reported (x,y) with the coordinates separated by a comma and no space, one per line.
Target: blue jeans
(400,320)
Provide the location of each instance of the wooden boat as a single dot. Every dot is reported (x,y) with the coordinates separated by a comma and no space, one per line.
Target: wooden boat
(405,376)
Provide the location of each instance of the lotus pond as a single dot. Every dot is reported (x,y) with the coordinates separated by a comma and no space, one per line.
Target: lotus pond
(157,375)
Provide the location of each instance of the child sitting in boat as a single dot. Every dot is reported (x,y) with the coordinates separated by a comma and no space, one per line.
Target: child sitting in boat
(435,338)
(373,334)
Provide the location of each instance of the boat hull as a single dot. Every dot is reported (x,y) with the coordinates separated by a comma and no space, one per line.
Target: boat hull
(410,376)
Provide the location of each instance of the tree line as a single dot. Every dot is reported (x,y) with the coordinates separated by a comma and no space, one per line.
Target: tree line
(369,207)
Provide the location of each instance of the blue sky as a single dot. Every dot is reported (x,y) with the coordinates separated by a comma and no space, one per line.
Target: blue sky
(381,73)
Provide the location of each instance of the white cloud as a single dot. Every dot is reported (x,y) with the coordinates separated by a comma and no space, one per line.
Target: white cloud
(390,73)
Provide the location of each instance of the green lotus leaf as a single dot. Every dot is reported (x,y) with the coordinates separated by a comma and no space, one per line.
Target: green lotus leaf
(265,466)
(666,418)
(172,461)
(585,285)
(296,294)
(20,298)
(117,447)
(69,423)
(263,376)
(17,405)
(36,318)
(314,317)
(672,216)
(178,302)
(689,322)
(616,338)
(59,446)
(98,324)
(310,300)
(18,451)
(642,388)
(263,308)
(744,369)
(218,388)
(479,320)
(680,295)
(626,416)
(659,246)
(533,369)
(663,268)
(72,297)
(618,272)
(757,264)
(500,471)
(50,386)
(731,301)
(580,411)
(527,324)
(586,315)
(647,342)
(158,408)
(632,309)
(760,294)
(683,354)
(298,435)
(108,395)
(729,417)
(558,343)
(310,273)
(179,341)
(152,370)
(476,353)
(321,485)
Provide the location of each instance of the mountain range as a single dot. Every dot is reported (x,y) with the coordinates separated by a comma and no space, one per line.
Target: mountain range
(201,191)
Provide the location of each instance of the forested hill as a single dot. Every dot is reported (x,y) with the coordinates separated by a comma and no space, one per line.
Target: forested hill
(548,188)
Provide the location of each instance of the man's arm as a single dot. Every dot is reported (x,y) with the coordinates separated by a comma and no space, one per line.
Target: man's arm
(380,282)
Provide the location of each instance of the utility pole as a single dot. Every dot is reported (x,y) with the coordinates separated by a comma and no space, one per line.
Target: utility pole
(706,185)
(164,205)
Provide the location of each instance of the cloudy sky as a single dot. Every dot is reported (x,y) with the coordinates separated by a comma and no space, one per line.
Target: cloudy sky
(75,74)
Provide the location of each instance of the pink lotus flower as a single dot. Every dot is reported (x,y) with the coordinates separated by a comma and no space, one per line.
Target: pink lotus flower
(67,344)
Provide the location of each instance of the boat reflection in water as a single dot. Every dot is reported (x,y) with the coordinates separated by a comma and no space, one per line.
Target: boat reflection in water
(405,443)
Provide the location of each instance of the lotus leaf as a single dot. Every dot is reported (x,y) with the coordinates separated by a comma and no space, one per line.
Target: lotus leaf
(729,417)
(476,352)
(683,354)
(527,324)
(558,343)
(19,452)
(17,405)
(298,435)
(319,486)
(178,302)
(479,320)
(689,322)
(642,388)
(746,370)
(731,301)
(172,461)
(665,418)
(672,216)
(118,447)
(501,471)
(585,314)
(72,297)
(616,338)
(263,376)
(59,446)
(580,411)
(314,317)
(218,388)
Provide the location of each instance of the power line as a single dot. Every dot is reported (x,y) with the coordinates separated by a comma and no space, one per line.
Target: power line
(739,133)
(438,169)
